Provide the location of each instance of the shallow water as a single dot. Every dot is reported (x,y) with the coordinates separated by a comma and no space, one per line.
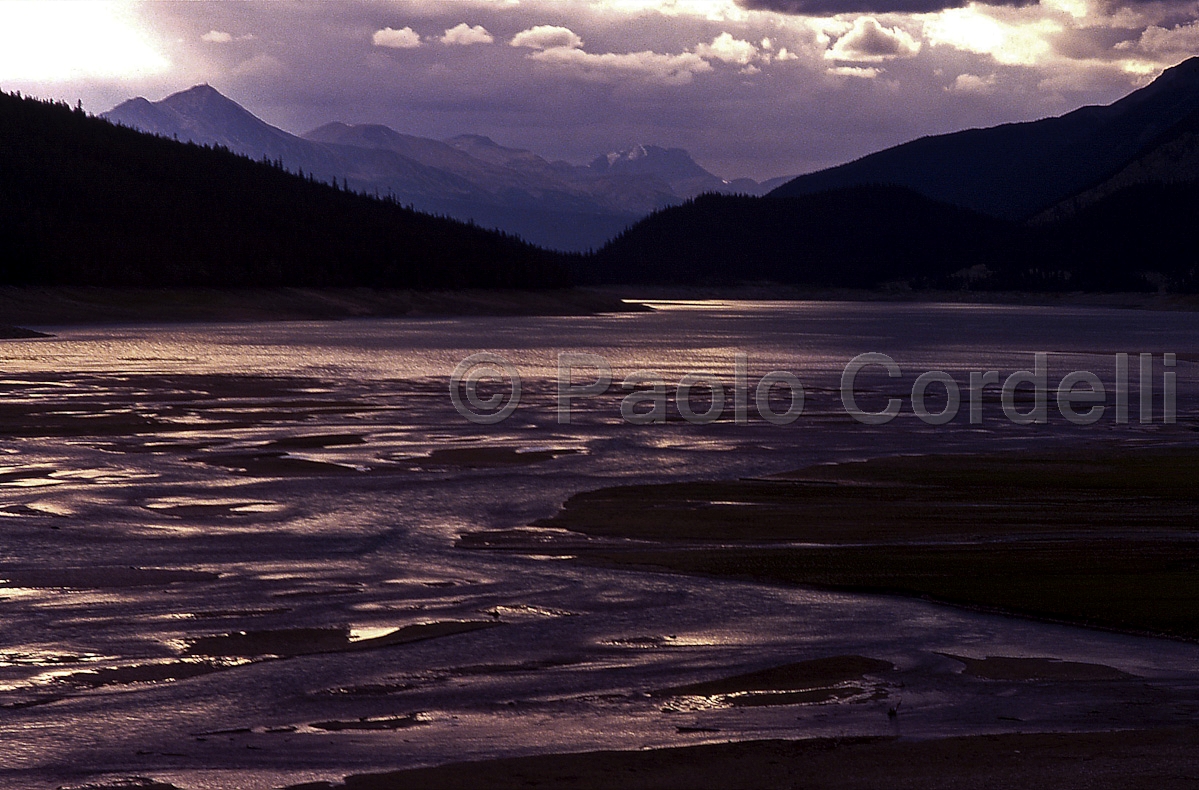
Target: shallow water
(161,486)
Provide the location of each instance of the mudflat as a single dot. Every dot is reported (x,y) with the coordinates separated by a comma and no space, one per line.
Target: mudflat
(1107,538)
(1151,759)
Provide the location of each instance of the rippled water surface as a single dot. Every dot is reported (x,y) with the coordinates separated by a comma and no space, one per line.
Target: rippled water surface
(229,552)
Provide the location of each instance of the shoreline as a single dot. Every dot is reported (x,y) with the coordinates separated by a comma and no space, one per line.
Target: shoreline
(767,292)
(50,306)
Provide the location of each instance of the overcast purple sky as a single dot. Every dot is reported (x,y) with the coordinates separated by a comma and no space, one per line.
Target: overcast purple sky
(756,88)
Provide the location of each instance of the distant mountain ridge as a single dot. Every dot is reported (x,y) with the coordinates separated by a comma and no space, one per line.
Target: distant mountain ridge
(83,202)
(1015,171)
(469,177)
(675,166)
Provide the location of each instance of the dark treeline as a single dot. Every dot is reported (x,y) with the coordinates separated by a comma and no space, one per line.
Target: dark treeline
(84,202)
(857,238)
(1147,232)
(1139,239)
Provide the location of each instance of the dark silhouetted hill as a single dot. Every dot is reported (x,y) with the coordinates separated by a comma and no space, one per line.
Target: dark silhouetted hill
(1140,238)
(1116,187)
(84,202)
(859,237)
(1017,170)
(1172,158)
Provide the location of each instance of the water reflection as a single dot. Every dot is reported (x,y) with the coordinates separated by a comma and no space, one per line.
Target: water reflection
(290,497)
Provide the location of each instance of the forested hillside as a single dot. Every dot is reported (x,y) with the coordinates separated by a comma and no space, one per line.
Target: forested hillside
(84,202)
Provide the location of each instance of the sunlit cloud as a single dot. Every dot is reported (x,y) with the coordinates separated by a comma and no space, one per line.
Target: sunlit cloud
(651,67)
(404,38)
(547,37)
(728,49)
(74,39)
(1015,43)
(465,35)
(861,72)
(728,79)
(221,37)
(868,41)
(1179,40)
(562,48)
(972,83)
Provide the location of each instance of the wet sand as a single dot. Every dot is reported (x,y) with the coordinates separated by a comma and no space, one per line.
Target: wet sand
(1151,760)
(224,569)
(1006,668)
(489,457)
(813,681)
(1101,538)
(1104,538)
(314,641)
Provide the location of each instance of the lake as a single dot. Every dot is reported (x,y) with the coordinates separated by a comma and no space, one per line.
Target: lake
(231,558)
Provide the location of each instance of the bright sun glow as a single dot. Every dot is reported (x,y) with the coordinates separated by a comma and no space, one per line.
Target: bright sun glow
(73,39)
(971,30)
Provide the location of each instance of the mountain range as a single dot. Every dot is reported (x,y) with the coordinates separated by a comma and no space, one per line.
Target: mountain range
(556,204)
(83,201)
(1104,198)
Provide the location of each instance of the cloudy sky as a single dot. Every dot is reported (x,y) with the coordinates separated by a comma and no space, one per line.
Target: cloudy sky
(755,88)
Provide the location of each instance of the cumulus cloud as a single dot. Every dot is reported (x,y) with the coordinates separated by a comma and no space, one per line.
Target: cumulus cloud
(1178,40)
(868,41)
(562,48)
(465,35)
(728,49)
(547,37)
(832,7)
(217,37)
(972,83)
(862,72)
(652,67)
(404,38)
(565,99)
